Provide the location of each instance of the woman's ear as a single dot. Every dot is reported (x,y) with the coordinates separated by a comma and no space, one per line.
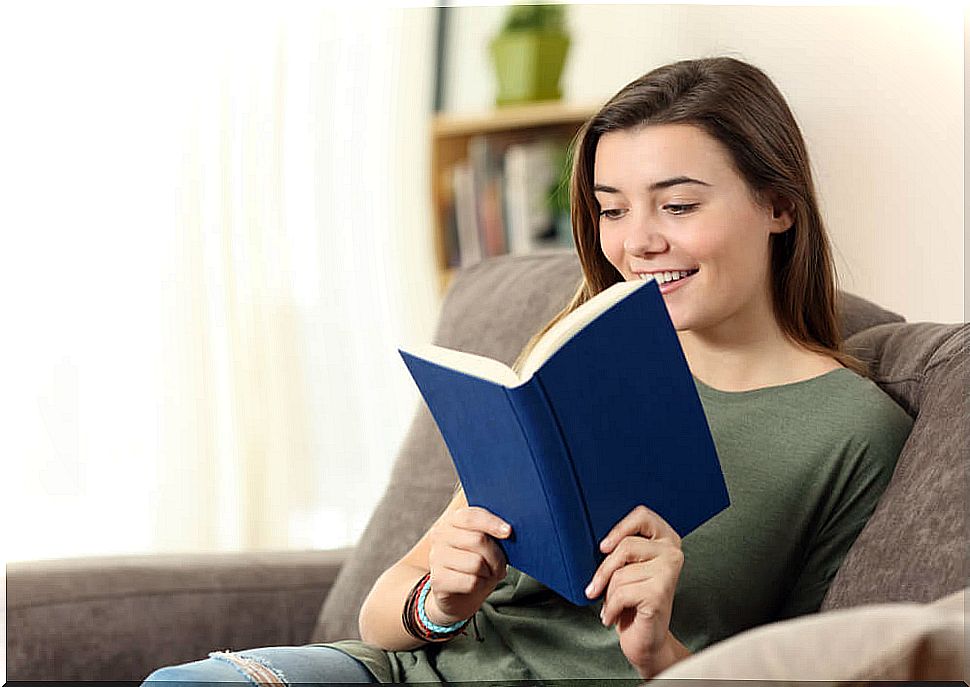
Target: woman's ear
(783,213)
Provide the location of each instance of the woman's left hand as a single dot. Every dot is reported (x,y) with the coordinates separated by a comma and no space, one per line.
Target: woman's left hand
(640,574)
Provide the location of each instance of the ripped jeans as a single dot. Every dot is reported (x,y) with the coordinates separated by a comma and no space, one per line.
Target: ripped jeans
(272,665)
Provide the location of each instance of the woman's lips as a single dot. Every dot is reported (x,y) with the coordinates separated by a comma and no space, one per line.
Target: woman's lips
(672,285)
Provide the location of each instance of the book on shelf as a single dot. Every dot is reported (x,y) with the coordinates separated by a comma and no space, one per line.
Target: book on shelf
(501,196)
(531,174)
(451,245)
(466,220)
(484,156)
(603,416)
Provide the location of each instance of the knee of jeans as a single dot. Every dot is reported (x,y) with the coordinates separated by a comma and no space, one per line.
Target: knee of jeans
(255,668)
(197,674)
(166,674)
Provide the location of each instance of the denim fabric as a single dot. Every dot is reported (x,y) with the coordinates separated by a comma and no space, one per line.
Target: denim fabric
(273,665)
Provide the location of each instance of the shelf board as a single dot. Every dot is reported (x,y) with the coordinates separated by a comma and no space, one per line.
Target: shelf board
(511,117)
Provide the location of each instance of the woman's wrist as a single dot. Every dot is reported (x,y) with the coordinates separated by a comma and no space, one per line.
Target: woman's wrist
(673,652)
(435,614)
(670,653)
(415,619)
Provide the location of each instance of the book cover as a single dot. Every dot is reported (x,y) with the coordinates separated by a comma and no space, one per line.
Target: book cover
(606,419)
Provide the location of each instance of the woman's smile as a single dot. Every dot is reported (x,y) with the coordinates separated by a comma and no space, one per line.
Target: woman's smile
(669,281)
(669,286)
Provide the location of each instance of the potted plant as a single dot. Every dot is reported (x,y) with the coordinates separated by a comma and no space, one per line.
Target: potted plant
(529,54)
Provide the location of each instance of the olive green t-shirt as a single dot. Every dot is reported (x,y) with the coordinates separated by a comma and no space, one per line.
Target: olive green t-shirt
(805,464)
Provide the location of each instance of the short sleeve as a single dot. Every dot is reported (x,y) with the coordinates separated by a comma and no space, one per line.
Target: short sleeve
(856,489)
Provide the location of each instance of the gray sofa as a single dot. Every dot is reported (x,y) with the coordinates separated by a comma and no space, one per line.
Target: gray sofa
(119,617)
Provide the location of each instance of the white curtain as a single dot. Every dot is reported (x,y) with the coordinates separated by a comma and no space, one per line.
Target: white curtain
(218,231)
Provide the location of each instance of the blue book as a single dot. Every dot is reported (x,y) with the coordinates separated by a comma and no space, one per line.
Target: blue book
(603,417)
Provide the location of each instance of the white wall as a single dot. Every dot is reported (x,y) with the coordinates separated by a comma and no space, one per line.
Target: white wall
(878,92)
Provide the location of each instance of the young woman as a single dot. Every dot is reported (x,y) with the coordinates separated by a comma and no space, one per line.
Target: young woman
(697,174)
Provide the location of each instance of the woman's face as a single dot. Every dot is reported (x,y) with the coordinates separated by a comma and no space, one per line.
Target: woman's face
(670,199)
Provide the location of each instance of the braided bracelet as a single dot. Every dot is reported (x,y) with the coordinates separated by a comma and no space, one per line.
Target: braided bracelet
(416,621)
(422,614)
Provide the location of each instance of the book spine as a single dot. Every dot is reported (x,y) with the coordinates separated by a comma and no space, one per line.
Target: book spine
(469,243)
(516,183)
(580,551)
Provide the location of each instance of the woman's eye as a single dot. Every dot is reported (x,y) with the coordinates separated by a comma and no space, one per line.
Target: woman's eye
(673,208)
(680,209)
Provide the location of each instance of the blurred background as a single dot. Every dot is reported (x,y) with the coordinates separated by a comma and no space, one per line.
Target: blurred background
(220,221)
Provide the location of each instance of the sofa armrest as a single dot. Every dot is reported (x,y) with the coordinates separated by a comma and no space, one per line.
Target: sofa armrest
(872,643)
(120,617)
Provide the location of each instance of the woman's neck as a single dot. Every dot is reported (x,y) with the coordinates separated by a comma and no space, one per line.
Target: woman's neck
(751,359)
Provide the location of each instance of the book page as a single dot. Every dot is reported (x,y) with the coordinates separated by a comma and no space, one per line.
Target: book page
(564,330)
(494,371)
(469,363)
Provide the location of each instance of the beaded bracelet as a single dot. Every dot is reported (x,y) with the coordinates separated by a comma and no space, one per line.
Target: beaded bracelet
(416,621)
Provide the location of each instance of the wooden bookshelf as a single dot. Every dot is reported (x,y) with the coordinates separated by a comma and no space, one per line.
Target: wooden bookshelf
(451,133)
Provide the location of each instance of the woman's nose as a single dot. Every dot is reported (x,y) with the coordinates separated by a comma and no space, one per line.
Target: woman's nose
(644,237)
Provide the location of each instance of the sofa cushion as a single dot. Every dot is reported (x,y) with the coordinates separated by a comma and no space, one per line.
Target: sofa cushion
(897,641)
(492,309)
(103,618)
(857,314)
(914,547)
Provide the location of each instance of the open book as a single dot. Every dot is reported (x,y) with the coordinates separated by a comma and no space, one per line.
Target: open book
(604,416)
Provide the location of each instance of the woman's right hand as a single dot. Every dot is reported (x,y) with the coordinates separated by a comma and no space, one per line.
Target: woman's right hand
(466,563)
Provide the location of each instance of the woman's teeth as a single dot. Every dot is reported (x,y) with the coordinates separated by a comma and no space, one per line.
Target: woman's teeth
(664,277)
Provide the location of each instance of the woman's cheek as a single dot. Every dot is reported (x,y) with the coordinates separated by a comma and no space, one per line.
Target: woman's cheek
(612,248)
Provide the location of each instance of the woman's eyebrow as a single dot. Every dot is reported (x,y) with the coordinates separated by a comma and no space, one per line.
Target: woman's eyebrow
(656,186)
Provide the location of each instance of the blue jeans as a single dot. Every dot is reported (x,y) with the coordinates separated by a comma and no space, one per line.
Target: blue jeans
(272,665)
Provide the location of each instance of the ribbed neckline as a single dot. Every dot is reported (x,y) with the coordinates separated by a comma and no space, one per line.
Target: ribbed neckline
(704,388)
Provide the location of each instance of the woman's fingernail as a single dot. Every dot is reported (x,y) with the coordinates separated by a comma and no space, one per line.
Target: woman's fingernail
(589,589)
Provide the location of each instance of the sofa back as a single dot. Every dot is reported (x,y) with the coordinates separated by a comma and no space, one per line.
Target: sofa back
(914,547)
(495,306)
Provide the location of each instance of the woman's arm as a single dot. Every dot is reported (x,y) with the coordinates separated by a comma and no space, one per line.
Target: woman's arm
(465,563)
(379,620)
(380,615)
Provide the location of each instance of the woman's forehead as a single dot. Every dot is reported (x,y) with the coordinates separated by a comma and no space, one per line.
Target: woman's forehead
(659,150)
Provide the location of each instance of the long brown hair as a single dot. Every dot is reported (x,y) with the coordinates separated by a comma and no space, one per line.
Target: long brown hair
(739,106)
